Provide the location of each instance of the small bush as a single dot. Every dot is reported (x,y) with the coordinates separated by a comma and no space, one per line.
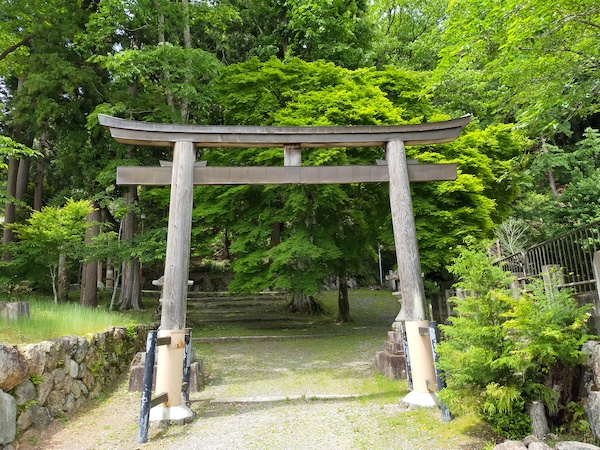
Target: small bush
(498,350)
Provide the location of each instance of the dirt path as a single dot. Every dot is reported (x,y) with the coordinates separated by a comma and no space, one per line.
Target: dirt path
(272,395)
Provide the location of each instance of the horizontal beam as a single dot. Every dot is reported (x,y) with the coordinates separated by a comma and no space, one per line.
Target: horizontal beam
(165,135)
(161,176)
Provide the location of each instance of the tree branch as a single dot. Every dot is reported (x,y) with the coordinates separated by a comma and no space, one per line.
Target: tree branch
(12,48)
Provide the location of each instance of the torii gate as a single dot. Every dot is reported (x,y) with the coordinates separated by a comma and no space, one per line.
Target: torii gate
(185,173)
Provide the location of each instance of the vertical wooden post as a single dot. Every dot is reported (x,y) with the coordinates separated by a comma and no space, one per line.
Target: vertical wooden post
(178,238)
(411,279)
(405,234)
(292,155)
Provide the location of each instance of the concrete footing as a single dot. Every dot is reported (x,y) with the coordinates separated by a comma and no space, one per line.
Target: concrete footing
(420,399)
(171,413)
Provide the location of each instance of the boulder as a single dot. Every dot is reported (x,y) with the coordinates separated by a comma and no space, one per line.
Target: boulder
(44,388)
(592,408)
(13,367)
(35,415)
(539,423)
(572,445)
(8,424)
(538,446)
(511,445)
(37,356)
(24,392)
(595,363)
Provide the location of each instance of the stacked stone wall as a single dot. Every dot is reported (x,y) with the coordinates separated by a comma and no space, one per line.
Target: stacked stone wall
(44,381)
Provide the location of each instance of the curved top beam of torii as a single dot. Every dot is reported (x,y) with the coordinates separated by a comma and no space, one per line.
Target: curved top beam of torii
(165,135)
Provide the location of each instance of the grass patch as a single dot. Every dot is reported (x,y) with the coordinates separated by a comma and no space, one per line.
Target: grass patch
(50,320)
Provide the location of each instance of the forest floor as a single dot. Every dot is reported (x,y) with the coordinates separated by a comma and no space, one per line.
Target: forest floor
(286,393)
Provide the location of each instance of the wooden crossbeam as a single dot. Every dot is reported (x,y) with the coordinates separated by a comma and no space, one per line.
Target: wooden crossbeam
(161,176)
(165,135)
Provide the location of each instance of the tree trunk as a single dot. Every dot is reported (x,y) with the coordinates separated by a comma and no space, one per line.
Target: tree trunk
(304,304)
(62,290)
(187,44)
(275,235)
(40,171)
(9,210)
(343,303)
(226,245)
(89,280)
(22,178)
(11,186)
(131,295)
(551,180)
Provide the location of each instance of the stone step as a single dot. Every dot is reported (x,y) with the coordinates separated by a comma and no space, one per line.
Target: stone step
(249,304)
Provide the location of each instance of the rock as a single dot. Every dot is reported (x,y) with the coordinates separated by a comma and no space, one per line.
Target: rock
(35,415)
(69,404)
(24,392)
(511,445)
(592,407)
(572,445)
(44,388)
(88,380)
(13,367)
(596,366)
(82,350)
(539,446)
(83,387)
(37,356)
(8,424)
(539,423)
(529,439)
(73,368)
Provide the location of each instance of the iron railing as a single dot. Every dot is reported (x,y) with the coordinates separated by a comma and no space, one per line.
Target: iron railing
(572,251)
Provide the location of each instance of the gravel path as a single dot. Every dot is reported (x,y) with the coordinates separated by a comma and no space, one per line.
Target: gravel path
(279,394)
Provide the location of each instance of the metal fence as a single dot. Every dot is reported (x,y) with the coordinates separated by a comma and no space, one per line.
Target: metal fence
(573,252)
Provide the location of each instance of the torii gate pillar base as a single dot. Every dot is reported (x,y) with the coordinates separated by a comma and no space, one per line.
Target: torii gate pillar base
(421,364)
(172,413)
(420,399)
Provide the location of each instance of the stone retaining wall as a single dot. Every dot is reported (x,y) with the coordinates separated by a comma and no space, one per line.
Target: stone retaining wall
(40,382)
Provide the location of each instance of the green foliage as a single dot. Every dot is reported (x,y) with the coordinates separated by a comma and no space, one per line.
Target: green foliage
(50,320)
(408,32)
(9,147)
(535,63)
(51,232)
(576,172)
(498,350)
(35,379)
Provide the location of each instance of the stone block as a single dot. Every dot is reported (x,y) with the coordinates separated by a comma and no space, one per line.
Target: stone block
(394,336)
(391,366)
(592,404)
(572,445)
(44,388)
(24,392)
(394,348)
(13,367)
(511,445)
(8,424)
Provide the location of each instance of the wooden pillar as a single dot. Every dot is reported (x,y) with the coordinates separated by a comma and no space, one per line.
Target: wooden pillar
(292,155)
(178,238)
(405,234)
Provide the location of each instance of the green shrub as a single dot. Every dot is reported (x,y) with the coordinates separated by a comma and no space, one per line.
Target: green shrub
(498,350)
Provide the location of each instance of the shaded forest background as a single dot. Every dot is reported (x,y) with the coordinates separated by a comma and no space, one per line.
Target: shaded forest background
(528,164)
